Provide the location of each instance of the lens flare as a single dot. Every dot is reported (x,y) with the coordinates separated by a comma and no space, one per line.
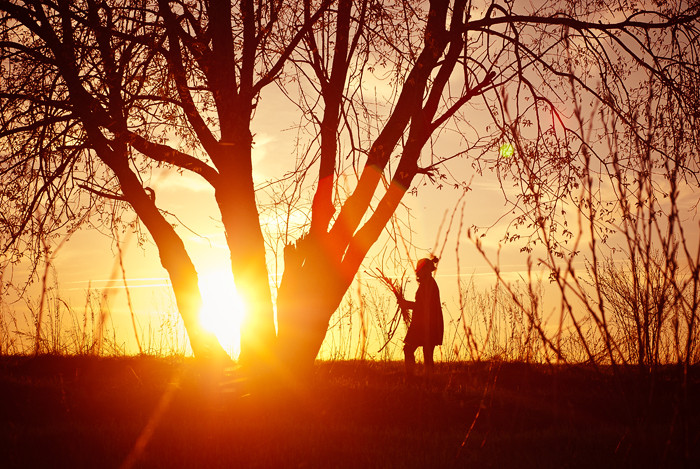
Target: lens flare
(506,150)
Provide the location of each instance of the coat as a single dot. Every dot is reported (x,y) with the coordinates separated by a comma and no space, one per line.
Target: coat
(427,325)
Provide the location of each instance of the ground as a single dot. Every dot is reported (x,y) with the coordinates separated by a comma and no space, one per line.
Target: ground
(175,412)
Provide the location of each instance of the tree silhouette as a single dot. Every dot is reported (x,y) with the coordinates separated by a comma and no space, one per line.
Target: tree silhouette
(97,93)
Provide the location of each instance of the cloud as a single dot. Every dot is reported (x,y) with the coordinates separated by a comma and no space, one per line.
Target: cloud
(170,181)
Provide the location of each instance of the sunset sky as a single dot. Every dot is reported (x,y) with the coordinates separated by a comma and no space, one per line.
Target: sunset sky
(90,258)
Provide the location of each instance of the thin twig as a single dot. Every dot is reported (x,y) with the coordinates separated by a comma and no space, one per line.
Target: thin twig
(397,288)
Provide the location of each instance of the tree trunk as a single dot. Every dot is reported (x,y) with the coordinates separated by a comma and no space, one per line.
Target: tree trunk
(189,300)
(176,260)
(249,267)
(311,290)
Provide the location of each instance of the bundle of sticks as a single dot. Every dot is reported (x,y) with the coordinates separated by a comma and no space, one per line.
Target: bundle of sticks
(397,287)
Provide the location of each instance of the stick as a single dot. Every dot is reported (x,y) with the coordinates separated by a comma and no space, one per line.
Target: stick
(401,313)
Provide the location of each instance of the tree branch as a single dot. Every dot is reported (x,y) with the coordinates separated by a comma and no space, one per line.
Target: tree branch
(166,154)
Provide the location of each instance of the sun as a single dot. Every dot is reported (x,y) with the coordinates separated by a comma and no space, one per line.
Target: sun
(222,309)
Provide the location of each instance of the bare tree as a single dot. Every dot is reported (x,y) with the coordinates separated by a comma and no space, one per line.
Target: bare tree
(94,88)
(93,93)
(638,302)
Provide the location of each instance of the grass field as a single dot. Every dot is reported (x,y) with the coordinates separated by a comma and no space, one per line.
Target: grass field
(155,412)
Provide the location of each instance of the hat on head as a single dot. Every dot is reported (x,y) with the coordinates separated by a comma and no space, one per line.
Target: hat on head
(426,264)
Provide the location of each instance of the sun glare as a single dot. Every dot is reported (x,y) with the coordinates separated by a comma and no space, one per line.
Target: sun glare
(222,309)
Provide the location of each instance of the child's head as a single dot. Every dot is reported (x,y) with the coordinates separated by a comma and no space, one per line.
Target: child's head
(426,266)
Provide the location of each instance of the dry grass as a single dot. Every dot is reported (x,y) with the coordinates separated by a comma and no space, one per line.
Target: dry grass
(149,412)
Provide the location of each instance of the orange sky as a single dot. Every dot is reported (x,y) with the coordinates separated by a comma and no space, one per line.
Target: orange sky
(89,258)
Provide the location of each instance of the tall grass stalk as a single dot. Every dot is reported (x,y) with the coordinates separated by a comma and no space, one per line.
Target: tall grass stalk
(126,289)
